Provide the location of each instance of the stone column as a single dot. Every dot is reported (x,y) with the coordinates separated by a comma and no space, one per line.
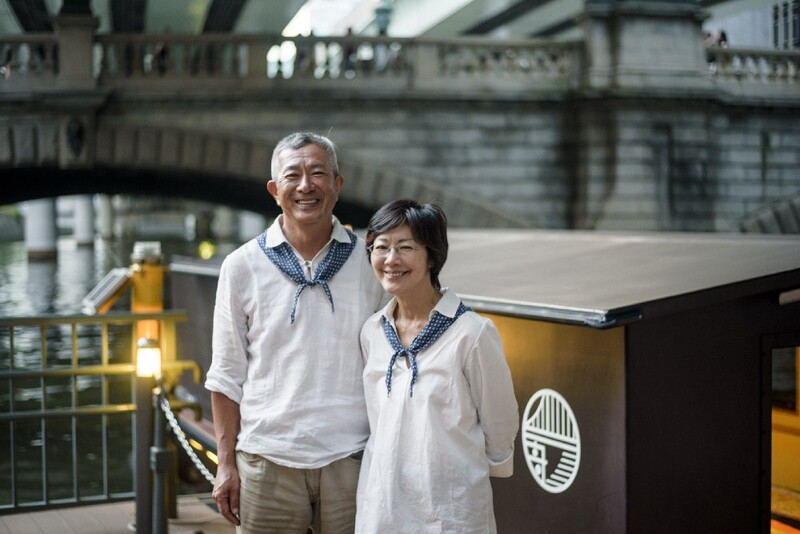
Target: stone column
(83,220)
(75,26)
(250,225)
(651,49)
(645,44)
(223,225)
(105,217)
(41,234)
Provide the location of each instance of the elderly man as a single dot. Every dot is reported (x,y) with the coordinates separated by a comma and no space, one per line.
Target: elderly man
(285,378)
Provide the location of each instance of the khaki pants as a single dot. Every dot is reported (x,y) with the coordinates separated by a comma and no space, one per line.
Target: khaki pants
(282,499)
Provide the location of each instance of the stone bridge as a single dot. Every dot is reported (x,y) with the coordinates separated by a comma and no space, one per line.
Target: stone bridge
(598,133)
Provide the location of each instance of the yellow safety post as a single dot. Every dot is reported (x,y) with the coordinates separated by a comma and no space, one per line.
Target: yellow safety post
(147,278)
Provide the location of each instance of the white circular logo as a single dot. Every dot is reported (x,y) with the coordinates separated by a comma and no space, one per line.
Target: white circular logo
(551,441)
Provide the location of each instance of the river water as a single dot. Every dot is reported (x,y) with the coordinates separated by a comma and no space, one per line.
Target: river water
(58,286)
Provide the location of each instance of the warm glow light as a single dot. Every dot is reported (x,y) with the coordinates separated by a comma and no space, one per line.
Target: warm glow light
(195,445)
(212,457)
(148,357)
(206,249)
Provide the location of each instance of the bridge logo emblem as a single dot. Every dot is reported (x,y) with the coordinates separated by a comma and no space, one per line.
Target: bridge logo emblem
(551,441)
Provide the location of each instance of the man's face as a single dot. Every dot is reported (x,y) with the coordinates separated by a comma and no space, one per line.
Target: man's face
(306,189)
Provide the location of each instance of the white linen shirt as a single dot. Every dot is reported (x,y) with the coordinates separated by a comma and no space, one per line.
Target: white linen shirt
(427,463)
(298,386)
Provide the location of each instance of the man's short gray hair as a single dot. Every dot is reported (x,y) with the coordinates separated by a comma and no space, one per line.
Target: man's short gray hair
(298,140)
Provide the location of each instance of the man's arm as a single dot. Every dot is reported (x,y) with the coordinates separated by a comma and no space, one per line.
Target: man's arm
(226,427)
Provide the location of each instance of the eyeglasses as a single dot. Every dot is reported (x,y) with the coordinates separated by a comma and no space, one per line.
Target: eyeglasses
(382,251)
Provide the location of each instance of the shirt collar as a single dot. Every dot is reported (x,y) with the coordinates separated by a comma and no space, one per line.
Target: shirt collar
(275,235)
(447,306)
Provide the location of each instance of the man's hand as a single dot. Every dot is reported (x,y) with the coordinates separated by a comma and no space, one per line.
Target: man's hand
(226,492)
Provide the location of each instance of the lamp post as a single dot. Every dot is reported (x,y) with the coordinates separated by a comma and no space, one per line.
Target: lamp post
(383,10)
(150,438)
(159,463)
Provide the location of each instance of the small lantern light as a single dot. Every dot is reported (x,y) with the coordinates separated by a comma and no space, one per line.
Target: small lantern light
(383,12)
(148,357)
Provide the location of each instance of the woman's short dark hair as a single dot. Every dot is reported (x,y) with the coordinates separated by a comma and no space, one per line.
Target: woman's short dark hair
(428,225)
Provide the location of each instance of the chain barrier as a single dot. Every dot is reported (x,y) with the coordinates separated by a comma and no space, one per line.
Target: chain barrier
(176,429)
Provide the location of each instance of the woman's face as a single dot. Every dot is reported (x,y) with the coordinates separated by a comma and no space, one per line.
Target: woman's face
(400,263)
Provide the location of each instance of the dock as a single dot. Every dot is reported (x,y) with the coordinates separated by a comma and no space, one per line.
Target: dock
(195,514)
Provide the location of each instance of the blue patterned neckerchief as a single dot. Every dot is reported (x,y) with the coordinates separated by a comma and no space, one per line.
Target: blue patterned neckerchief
(436,326)
(285,259)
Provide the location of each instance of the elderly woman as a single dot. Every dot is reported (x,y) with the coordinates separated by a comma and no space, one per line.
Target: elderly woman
(440,401)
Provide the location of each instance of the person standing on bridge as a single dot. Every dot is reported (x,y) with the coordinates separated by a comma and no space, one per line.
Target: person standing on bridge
(442,411)
(285,377)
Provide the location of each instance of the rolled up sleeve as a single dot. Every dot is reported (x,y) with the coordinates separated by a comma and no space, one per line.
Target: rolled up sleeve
(492,393)
(228,369)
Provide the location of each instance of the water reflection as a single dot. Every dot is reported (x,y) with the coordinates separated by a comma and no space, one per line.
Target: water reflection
(41,287)
(36,287)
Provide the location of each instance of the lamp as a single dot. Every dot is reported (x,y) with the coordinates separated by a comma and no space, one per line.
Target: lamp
(383,11)
(148,358)
(150,495)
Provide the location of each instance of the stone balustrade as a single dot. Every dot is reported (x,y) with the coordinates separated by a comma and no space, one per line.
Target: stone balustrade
(136,62)
(767,66)
(28,62)
(465,66)
(361,63)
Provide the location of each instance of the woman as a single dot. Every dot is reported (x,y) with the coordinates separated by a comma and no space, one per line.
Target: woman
(440,401)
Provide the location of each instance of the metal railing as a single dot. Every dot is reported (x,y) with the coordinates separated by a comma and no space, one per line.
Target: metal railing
(67,397)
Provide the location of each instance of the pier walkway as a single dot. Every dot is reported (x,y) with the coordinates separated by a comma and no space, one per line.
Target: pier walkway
(194,515)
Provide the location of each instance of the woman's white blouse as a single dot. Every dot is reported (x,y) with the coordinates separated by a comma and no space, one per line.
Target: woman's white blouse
(427,463)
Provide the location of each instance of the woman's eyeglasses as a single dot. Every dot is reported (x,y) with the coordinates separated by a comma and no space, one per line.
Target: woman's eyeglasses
(382,251)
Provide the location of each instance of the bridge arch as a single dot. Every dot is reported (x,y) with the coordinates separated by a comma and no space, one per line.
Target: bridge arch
(219,167)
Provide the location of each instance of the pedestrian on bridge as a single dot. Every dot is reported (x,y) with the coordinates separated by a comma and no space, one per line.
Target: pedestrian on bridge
(285,378)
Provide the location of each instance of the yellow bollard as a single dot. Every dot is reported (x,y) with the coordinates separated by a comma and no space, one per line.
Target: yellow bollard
(147,278)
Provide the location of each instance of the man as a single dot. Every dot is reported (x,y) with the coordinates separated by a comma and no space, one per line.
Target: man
(285,379)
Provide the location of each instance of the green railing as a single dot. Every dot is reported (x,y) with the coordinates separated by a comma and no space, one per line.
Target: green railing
(67,406)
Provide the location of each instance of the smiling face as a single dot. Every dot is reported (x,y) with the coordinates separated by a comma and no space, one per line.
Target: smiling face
(306,187)
(400,263)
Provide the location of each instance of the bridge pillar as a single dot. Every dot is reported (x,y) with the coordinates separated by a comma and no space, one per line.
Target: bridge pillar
(250,225)
(105,217)
(645,44)
(223,225)
(83,220)
(41,233)
(75,30)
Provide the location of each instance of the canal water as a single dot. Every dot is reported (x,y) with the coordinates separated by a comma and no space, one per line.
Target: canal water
(67,469)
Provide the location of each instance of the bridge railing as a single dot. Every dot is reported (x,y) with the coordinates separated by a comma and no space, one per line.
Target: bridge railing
(67,398)
(394,66)
(138,62)
(752,64)
(257,61)
(31,59)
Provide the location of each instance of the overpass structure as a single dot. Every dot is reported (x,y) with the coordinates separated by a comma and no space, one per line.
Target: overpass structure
(632,124)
